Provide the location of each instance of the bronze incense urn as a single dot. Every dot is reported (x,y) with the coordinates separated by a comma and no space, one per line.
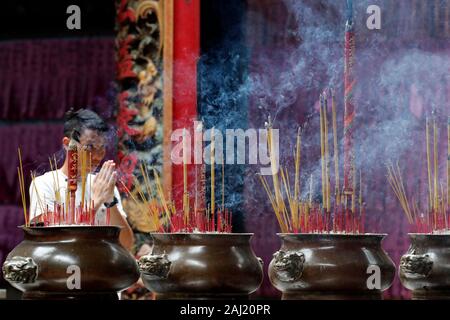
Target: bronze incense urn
(70,262)
(425,268)
(331,266)
(201,266)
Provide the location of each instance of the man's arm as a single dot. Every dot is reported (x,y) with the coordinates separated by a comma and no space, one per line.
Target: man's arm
(104,190)
(118,217)
(126,237)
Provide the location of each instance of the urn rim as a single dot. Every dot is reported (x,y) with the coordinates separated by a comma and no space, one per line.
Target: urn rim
(23,227)
(206,234)
(422,234)
(336,235)
(437,238)
(204,238)
(82,231)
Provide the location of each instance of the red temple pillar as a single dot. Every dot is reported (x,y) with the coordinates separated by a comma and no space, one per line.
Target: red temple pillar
(186,50)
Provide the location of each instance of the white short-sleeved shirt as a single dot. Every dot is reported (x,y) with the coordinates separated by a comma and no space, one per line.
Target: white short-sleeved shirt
(55,181)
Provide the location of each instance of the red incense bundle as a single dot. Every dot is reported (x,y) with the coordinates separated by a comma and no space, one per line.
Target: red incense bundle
(72,156)
(219,222)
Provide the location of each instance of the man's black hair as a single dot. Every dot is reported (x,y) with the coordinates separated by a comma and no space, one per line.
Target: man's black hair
(75,122)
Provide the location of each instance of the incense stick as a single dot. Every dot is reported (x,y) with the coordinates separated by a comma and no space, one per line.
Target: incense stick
(57,194)
(335,149)
(360,202)
(22,187)
(436,170)
(161,194)
(196,190)
(304,215)
(322,150)
(289,197)
(213,151)
(274,166)
(223,182)
(128,191)
(185,178)
(90,177)
(275,207)
(396,182)
(83,176)
(430,191)
(55,187)
(296,202)
(33,180)
(297,165)
(448,154)
(327,155)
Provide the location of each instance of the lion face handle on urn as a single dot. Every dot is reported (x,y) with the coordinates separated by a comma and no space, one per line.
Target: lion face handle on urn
(155,265)
(288,265)
(20,269)
(416,266)
(425,268)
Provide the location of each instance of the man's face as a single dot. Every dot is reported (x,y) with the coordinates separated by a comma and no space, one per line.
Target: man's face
(94,143)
